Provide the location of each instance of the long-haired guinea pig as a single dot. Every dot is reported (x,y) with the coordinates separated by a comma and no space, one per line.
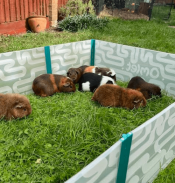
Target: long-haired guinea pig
(76,73)
(147,89)
(91,81)
(48,84)
(14,106)
(101,71)
(116,96)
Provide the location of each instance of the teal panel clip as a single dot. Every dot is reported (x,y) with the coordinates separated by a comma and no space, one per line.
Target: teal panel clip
(124,157)
(48,59)
(92,52)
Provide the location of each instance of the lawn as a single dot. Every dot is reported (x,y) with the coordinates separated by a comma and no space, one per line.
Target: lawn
(65,132)
(155,35)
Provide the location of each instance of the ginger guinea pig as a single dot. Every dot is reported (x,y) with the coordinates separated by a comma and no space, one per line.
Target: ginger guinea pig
(101,71)
(14,106)
(116,96)
(48,84)
(91,81)
(76,73)
(147,89)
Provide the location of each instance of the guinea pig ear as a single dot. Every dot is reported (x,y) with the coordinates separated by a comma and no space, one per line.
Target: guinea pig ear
(66,84)
(138,89)
(77,71)
(96,69)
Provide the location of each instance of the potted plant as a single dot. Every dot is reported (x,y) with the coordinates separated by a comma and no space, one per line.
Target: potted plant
(37,23)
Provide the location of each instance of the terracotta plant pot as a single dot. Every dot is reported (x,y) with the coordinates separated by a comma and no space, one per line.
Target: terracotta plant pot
(37,23)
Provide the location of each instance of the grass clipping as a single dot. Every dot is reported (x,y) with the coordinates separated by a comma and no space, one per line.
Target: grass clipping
(64,133)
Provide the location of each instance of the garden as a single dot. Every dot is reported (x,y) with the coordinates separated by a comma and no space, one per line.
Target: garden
(65,132)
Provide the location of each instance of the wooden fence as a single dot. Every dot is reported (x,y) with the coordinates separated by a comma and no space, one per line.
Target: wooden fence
(15,10)
(61,3)
(13,14)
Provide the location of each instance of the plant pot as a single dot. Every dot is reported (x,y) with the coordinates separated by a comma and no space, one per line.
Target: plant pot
(37,23)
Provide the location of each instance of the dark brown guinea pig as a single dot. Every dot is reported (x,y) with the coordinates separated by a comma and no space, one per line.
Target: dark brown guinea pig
(76,73)
(14,106)
(48,84)
(101,71)
(141,85)
(116,96)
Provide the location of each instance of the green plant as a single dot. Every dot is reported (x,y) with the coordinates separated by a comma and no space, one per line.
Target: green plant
(76,7)
(85,21)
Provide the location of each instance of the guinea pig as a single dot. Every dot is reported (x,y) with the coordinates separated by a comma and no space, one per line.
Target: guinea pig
(116,96)
(48,84)
(101,71)
(76,73)
(14,106)
(141,85)
(91,81)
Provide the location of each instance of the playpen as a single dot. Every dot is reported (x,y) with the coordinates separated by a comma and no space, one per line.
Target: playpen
(139,155)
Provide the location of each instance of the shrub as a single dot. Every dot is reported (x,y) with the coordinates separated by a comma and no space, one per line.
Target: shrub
(85,21)
(76,7)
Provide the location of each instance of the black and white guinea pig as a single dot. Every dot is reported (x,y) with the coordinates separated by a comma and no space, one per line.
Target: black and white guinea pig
(101,71)
(91,81)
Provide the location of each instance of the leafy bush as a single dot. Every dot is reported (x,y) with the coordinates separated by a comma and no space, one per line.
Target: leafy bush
(85,21)
(76,7)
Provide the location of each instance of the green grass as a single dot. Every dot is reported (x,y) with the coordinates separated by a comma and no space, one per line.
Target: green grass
(65,132)
(160,13)
(167,175)
(140,33)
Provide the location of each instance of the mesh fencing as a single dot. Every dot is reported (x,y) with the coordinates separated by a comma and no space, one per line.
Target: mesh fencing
(162,9)
(134,9)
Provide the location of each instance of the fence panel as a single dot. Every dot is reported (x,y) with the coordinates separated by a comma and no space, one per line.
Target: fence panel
(153,147)
(2,12)
(12,11)
(15,10)
(18,14)
(7,12)
(61,3)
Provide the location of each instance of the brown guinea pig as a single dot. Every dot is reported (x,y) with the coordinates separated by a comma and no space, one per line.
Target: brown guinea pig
(101,71)
(48,84)
(147,89)
(116,96)
(14,106)
(76,73)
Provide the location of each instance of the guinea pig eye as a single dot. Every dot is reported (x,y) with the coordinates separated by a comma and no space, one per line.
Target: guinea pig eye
(24,109)
(70,86)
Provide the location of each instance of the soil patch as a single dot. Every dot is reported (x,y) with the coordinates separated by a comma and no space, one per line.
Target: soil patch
(124,13)
(53,29)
